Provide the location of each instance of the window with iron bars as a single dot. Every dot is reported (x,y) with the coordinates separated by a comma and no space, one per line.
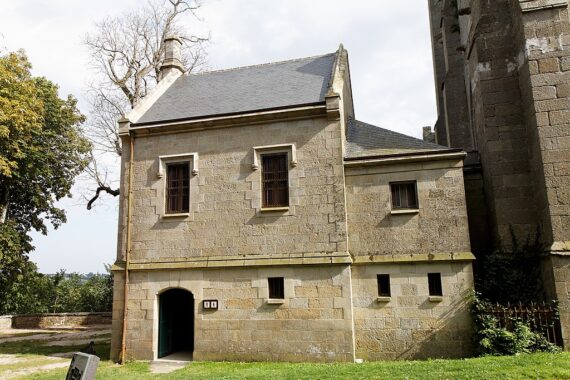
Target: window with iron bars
(178,188)
(275,180)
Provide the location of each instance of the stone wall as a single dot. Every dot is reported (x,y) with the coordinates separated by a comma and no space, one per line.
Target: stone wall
(440,226)
(407,247)
(313,324)
(516,62)
(225,216)
(438,51)
(489,63)
(55,320)
(543,29)
(409,324)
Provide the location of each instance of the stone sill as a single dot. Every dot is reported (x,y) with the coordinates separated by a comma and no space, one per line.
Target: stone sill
(435,298)
(405,211)
(275,301)
(180,215)
(383,299)
(274,209)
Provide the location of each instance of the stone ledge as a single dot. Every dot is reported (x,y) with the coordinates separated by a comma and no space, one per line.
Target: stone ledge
(560,248)
(240,261)
(535,5)
(452,256)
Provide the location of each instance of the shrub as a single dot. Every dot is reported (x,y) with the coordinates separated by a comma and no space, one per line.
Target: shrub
(493,339)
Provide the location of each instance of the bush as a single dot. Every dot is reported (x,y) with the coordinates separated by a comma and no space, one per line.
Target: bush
(492,339)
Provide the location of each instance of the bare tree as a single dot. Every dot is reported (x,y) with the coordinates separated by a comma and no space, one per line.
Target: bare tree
(126,55)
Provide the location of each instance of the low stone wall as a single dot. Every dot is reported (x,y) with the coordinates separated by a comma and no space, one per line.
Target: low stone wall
(42,321)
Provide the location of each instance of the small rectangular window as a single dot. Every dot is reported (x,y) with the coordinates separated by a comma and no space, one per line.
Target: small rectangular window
(384,285)
(434,282)
(404,195)
(276,287)
(177,188)
(275,180)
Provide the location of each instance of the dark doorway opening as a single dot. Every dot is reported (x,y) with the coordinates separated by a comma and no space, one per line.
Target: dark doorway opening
(176,323)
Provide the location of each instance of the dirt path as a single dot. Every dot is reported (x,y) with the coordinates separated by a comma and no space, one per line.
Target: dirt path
(43,335)
(29,370)
(13,366)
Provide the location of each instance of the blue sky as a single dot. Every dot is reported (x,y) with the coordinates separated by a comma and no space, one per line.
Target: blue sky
(390,60)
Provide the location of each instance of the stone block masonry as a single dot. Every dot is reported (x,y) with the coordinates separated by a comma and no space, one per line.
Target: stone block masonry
(314,322)
(516,66)
(408,324)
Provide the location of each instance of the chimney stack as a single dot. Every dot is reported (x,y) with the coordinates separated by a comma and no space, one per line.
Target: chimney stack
(172,57)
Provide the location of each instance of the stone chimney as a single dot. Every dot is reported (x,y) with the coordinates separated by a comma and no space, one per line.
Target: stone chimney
(172,58)
(428,135)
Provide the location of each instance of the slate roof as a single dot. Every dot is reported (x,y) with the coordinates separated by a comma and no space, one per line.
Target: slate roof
(365,140)
(244,89)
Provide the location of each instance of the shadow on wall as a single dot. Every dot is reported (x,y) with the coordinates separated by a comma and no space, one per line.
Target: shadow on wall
(451,335)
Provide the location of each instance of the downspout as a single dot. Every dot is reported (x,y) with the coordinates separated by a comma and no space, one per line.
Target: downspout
(128,248)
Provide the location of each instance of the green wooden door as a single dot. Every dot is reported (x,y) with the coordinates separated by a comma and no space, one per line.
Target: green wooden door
(164,326)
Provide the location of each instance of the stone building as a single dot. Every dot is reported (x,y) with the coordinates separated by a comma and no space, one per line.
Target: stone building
(260,220)
(502,75)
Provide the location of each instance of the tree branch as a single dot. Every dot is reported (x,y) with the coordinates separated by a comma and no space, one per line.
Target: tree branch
(104,188)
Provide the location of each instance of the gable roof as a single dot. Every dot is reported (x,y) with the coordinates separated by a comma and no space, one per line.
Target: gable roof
(296,82)
(367,140)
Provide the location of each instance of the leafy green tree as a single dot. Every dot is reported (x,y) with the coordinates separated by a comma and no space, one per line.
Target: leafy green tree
(97,293)
(42,150)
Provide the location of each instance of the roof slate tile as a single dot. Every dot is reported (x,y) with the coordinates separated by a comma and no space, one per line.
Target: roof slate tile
(244,89)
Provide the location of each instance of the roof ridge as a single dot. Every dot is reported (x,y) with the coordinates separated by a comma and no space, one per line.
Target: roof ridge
(259,64)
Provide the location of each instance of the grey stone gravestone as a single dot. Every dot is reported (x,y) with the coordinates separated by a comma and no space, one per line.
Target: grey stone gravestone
(82,367)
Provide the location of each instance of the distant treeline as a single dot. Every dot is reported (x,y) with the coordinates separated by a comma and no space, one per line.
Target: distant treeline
(57,293)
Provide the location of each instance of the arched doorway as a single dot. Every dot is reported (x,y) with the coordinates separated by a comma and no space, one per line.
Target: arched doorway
(176,324)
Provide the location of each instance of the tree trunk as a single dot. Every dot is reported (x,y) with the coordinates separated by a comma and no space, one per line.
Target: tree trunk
(3,206)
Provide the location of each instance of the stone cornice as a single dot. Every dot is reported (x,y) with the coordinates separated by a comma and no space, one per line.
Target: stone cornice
(396,159)
(536,5)
(240,261)
(334,258)
(420,257)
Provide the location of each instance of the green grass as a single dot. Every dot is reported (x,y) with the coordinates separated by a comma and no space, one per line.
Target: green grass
(535,366)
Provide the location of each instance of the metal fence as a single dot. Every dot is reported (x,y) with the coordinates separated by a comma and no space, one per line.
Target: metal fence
(541,317)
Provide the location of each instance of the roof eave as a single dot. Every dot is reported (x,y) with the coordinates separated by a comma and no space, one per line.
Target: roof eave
(303,111)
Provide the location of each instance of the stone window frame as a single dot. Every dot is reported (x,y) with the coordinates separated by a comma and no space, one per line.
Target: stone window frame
(384,296)
(435,286)
(163,161)
(276,299)
(256,181)
(276,284)
(413,210)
